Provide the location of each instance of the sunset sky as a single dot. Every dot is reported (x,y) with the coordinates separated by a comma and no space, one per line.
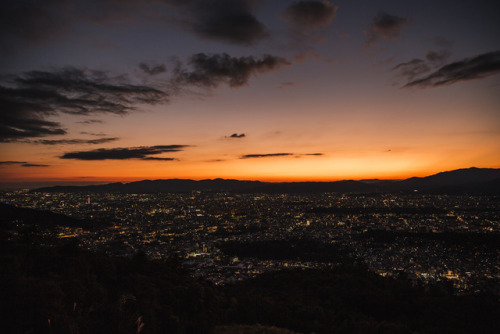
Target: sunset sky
(122,90)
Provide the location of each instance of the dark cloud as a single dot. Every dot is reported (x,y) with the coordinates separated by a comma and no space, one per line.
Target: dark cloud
(12,162)
(83,92)
(235,135)
(468,69)
(18,122)
(212,70)
(416,67)
(230,21)
(267,155)
(34,165)
(384,26)
(91,121)
(295,155)
(159,159)
(152,70)
(141,152)
(27,100)
(21,163)
(412,68)
(248,156)
(75,141)
(30,99)
(311,14)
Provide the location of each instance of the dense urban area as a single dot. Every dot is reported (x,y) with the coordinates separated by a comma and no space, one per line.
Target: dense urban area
(224,237)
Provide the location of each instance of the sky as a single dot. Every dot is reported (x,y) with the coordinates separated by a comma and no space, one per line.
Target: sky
(120,90)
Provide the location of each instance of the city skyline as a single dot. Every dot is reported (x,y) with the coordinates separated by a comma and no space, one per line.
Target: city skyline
(254,90)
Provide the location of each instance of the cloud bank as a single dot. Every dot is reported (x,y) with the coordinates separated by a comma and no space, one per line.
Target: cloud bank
(28,99)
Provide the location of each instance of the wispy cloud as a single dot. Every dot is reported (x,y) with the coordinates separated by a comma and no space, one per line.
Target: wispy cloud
(313,154)
(270,155)
(21,163)
(124,153)
(75,141)
(267,155)
(468,69)
(159,159)
(91,121)
(34,165)
(93,134)
(417,67)
(7,163)
(412,68)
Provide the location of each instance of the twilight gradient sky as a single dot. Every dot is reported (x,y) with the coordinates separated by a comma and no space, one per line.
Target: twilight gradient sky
(122,90)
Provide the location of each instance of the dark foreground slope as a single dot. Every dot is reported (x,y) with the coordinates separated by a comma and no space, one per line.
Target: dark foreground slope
(460,181)
(11,216)
(67,290)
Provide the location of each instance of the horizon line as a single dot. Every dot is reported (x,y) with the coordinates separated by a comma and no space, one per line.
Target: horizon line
(28,184)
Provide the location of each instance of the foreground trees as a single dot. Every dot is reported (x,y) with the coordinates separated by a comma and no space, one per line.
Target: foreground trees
(67,290)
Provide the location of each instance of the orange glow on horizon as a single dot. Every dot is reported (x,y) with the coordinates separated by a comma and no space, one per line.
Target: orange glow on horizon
(131,173)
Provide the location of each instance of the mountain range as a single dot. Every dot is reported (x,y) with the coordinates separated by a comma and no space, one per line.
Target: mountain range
(461,181)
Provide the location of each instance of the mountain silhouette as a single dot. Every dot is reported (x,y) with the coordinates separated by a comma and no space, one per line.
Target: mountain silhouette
(461,181)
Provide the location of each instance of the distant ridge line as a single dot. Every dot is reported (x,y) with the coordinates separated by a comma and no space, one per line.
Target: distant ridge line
(461,181)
